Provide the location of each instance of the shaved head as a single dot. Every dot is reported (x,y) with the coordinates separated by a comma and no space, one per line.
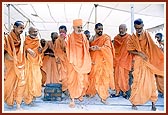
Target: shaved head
(32,28)
(123,25)
(122,29)
(33,32)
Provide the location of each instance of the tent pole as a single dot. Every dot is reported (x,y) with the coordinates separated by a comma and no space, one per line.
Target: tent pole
(95,12)
(88,25)
(22,14)
(8,5)
(132,18)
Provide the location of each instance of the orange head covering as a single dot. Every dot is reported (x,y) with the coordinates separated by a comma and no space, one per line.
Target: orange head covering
(77,22)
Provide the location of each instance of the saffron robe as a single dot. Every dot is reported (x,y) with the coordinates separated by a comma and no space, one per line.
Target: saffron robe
(33,72)
(101,77)
(50,67)
(80,64)
(14,83)
(144,87)
(122,63)
(60,52)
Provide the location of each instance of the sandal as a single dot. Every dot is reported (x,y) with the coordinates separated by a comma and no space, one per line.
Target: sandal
(72,104)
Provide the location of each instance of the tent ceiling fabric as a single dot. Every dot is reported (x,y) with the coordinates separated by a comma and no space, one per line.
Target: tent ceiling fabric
(47,17)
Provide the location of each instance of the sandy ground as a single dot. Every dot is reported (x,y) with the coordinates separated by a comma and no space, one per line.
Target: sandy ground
(88,105)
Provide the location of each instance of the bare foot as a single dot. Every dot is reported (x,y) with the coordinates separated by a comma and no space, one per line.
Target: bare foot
(104,102)
(72,104)
(19,108)
(81,98)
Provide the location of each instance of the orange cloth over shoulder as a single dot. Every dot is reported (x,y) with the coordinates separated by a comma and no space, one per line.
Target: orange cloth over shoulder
(101,76)
(60,52)
(155,56)
(80,64)
(50,66)
(14,83)
(78,53)
(122,63)
(33,44)
(33,72)
(144,84)
(122,56)
(44,58)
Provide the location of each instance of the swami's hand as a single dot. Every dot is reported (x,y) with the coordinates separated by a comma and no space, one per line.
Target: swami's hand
(94,48)
(31,52)
(58,61)
(144,56)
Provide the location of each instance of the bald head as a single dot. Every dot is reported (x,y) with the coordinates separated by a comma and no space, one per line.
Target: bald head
(122,29)
(54,36)
(123,26)
(33,32)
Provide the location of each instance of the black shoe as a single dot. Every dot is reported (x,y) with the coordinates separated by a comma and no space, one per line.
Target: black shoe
(43,85)
(114,95)
(125,96)
(153,108)
(134,107)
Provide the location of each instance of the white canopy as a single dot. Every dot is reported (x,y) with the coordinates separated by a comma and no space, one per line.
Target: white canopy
(47,17)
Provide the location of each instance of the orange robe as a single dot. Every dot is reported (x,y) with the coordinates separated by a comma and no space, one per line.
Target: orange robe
(160,79)
(122,63)
(50,67)
(101,76)
(160,83)
(14,84)
(33,72)
(44,76)
(144,87)
(60,52)
(80,64)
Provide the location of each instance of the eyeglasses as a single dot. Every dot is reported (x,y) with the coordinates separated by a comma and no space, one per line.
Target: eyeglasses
(79,27)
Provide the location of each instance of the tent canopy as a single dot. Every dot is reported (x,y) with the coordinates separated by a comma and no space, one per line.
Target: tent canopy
(47,17)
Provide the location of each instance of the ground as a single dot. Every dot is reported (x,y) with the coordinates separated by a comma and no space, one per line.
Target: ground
(88,105)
